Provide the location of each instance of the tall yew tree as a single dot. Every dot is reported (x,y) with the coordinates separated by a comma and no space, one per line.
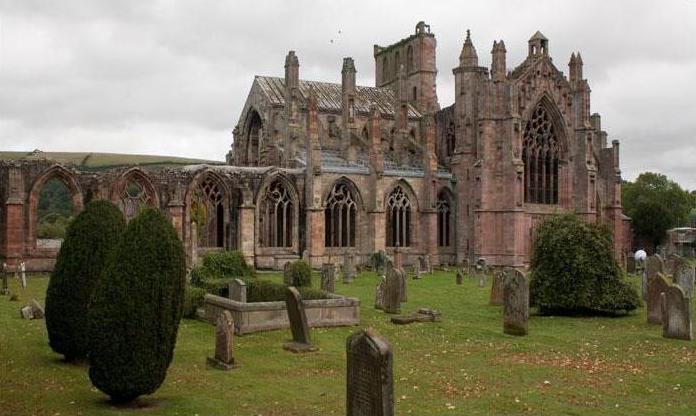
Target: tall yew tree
(89,240)
(137,308)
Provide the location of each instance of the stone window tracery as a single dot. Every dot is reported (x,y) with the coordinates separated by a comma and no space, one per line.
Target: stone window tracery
(340,216)
(444,220)
(207,213)
(276,216)
(399,218)
(541,154)
(133,198)
(450,139)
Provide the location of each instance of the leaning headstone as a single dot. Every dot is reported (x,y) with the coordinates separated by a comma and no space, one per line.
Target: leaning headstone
(460,277)
(328,281)
(348,269)
(676,314)
(26,312)
(23,271)
(287,276)
(653,266)
(393,285)
(370,382)
(301,341)
(379,293)
(656,286)
(516,310)
(37,310)
(684,277)
(497,288)
(238,290)
(224,343)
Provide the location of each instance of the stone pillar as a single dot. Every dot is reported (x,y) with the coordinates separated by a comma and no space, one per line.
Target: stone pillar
(247,231)
(15,231)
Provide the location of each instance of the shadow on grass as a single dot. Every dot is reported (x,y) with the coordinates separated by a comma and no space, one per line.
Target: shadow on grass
(141,404)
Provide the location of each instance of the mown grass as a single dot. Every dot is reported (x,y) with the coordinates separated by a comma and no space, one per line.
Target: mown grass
(463,365)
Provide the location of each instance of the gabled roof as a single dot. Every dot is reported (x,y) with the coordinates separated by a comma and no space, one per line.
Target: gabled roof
(329,96)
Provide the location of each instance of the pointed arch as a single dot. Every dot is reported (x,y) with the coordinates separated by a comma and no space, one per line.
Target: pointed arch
(401,210)
(134,190)
(342,207)
(409,59)
(278,213)
(445,217)
(68,179)
(253,138)
(544,147)
(208,203)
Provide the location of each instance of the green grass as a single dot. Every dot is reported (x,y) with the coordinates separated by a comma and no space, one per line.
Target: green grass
(101,161)
(566,366)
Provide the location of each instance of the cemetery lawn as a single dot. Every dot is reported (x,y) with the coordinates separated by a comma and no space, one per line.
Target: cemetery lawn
(463,365)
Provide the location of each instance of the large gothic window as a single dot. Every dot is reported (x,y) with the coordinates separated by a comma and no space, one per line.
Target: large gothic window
(340,217)
(409,59)
(541,154)
(399,218)
(276,216)
(444,220)
(133,198)
(208,212)
(450,139)
(254,139)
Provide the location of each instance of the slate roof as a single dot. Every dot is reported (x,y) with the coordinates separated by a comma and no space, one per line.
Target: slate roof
(329,96)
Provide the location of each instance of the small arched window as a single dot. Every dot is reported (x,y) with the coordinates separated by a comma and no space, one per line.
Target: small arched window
(399,217)
(340,217)
(450,139)
(444,220)
(397,62)
(409,59)
(541,155)
(276,216)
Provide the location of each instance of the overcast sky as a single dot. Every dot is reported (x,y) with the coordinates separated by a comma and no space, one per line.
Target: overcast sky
(170,77)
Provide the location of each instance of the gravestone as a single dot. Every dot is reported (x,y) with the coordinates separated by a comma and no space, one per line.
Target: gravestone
(328,281)
(397,259)
(422,315)
(37,310)
(404,285)
(369,381)
(301,341)
(378,261)
(305,256)
(676,314)
(348,268)
(428,264)
(483,280)
(497,288)
(460,277)
(630,264)
(516,309)
(23,271)
(287,277)
(379,293)
(653,266)
(465,267)
(656,286)
(393,285)
(238,290)
(26,312)
(416,273)
(684,277)
(224,343)
(673,263)
(5,286)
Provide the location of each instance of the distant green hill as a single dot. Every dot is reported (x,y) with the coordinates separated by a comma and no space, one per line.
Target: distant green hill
(102,161)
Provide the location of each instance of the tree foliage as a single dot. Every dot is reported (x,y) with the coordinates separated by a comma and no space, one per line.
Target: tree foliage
(90,239)
(573,270)
(300,274)
(655,204)
(137,309)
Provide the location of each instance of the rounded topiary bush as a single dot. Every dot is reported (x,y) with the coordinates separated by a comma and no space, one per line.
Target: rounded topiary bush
(573,270)
(300,274)
(89,240)
(137,309)
(221,265)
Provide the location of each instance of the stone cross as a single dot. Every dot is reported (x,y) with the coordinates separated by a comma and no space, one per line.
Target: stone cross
(676,314)
(653,266)
(328,280)
(684,277)
(23,270)
(224,343)
(393,286)
(516,310)
(656,286)
(301,341)
(369,382)
(238,290)
(497,289)
(460,277)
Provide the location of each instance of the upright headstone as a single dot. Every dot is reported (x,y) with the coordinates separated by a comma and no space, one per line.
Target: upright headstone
(684,277)
(516,310)
(305,256)
(224,343)
(238,290)
(460,277)
(676,314)
(370,382)
(497,288)
(5,286)
(301,341)
(287,276)
(656,286)
(653,266)
(328,281)
(23,271)
(379,293)
(404,285)
(378,261)
(483,281)
(392,289)
(348,268)
(465,267)
(416,272)
(673,263)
